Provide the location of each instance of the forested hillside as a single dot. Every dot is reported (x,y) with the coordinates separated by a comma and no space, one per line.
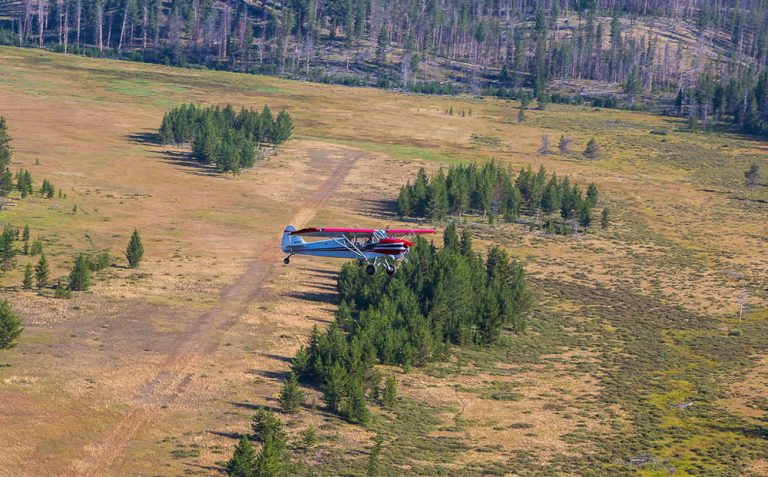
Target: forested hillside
(701,59)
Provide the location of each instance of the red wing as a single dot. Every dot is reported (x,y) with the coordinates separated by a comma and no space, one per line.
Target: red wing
(409,231)
(331,232)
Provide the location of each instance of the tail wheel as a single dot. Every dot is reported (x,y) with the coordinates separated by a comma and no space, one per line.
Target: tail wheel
(391,270)
(287,260)
(370,269)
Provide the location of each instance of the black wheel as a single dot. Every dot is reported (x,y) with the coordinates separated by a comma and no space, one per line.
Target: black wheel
(287,260)
(391,270)
(370,269)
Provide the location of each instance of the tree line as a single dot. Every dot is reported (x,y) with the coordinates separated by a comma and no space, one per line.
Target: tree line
(22,180)
(492,190)
(511,43)
(221,137)
(450,296)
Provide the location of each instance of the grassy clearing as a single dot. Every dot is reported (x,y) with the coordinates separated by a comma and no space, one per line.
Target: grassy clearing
(631,322)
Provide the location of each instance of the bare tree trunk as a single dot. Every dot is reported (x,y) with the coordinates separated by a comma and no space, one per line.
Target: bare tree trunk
(66,28)
(100,19)
(40,20)
(77,22)
(144,27)
(122,28)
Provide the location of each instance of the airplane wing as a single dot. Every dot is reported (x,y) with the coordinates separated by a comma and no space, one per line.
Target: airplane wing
(332,232)
(409,231)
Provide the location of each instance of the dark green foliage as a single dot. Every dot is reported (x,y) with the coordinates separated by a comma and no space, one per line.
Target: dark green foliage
(492,190)
(80,276)
(309,437)
(47,189)
(272,460)
(99,261)
(265,423)
(135,251)
(61,291)
(25,234)
(10,326)
(243,460)
(7,250)
(411,318)
(222,138)
(6,179)
(24,183)
(37,247)
(372,470)
(42,271)
(592,150)
(291,395)
(605,219)
(29,276)
(389,396)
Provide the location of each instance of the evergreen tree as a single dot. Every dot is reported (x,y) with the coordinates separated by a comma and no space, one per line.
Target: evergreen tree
(37,247)
(372,470)
(283,127)
(291,395)
(605,219)
(10,326)
(5,145)
(520,115)
(41,272)
(592,150)
(752,176)
(135,251)
(25,234)
(80,276)
(28,277)
(271,461)
(389,396)
(243,461)
(355,408)
(592,195)
(437,207)
(564,145)
(7,250)
(266,423)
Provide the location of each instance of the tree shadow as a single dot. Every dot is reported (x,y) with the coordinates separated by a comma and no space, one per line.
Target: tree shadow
(253,407)
(381,207)
(144,138)
(331,298)
(285,359)
(229,435)
(209,469)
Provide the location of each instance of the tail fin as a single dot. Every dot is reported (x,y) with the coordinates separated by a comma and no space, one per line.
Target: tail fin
(290,240)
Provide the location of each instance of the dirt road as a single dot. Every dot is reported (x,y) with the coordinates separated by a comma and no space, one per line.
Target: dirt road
(201,339)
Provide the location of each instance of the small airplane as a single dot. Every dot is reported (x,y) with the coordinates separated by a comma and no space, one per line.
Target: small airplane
(375,248)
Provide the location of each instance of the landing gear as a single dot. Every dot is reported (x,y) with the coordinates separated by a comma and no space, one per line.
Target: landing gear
(370,269)
(391,270)
(287,260)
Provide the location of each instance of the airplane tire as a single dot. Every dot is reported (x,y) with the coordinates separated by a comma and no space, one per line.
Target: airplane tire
(370,269)
(391,270)
(287,260)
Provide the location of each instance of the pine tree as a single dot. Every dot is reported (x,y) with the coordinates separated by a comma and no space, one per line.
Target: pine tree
(271,461)
(752,176)
(592,150)
(28,277)
(7,250)
(564,145)
(372,470)
(283,127)
(437,205)
(41,272)
(5,145)
(291,396)
(390,391)
(592,195)
(80,276)
(355,408)
(10,326)
(605,219)
(25,234)
(37,247)
(135,251)
(520,115)
(265,423)
(243,460)
(544,149)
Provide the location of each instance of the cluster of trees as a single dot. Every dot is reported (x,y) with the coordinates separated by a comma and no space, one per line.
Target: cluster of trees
(532,43)
(80,276)
(495,190)
(10,326)
(736,96)
(439,298)
(224,138)
(23,178)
